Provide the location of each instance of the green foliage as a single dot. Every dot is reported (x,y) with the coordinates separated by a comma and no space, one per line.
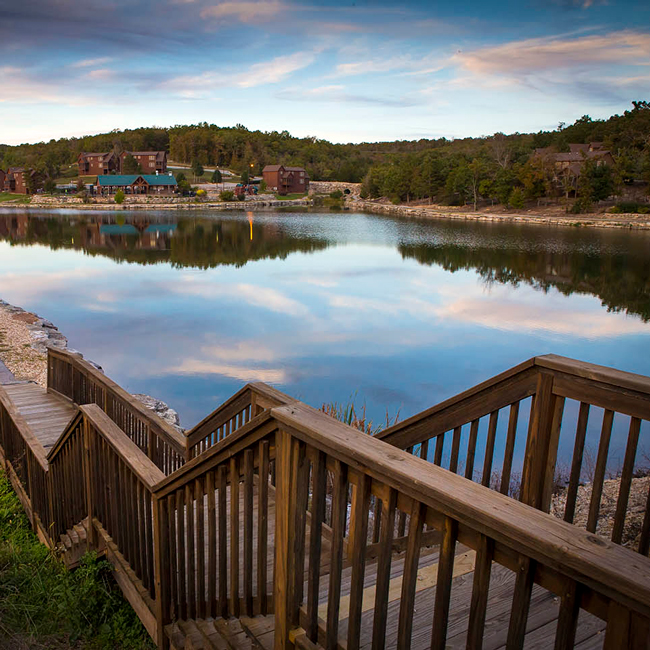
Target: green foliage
(263,186)
(43,603)
(630,207)
(131,165)
(197,168)
(241,197)
(49,186)
(581,205)
(119,197)
(216,176)
(336,194)
(516,199)
(245,176)
(227,195)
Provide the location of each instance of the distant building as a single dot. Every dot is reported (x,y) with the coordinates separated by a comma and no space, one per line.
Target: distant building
(137,184)
(286,180)
(15,180)
(150,161)
(98,164)
(2,180)
(572,161)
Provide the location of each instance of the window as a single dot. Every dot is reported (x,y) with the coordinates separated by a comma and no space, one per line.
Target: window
(302,181)
(152,157)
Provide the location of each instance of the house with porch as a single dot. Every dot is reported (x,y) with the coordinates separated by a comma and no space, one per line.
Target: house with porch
(137,184)
(15,180)
(97,164)
(286,180)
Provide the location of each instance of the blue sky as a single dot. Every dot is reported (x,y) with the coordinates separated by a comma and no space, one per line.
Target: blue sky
(344,71)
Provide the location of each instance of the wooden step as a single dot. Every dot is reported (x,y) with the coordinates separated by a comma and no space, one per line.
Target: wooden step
(194,640)
(208,634)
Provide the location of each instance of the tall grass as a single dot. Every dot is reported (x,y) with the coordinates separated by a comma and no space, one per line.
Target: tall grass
(44,605)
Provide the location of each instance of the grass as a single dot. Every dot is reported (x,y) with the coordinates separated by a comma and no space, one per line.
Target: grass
(16,198)
(43,605)
(290,197)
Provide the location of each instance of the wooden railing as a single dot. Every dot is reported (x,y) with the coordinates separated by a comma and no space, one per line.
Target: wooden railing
(26,462)
(555,396)
(584,571)
(250,401)
(220,537)
(74,378)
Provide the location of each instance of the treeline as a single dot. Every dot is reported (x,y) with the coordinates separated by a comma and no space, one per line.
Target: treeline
(502,169)
(497,168)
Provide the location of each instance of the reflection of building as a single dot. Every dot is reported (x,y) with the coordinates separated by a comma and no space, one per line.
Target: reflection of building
(2,180)
(158,184)
(286,180)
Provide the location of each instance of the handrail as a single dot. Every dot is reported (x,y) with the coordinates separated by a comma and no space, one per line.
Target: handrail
(232,414)
(123,403)
(602,576)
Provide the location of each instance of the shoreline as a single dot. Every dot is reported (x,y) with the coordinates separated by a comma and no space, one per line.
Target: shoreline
(589,220)
(24,340)
(626,221)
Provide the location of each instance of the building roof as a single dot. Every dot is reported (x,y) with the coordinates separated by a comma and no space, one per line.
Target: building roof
(125,180)
(95,155)
(272,168)
(158,154)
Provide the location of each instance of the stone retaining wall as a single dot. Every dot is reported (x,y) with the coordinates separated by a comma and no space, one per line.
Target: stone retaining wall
(325,187)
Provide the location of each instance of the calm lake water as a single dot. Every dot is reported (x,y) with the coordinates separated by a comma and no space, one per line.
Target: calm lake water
(397,314)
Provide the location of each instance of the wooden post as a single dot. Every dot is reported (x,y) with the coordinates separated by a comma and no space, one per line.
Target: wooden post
(91,536)
(283,540)
(160,563)
(539,445)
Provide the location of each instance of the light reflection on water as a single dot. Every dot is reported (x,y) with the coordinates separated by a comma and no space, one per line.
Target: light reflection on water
(400,314)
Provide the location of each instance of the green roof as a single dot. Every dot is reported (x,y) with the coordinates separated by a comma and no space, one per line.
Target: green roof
(128,179)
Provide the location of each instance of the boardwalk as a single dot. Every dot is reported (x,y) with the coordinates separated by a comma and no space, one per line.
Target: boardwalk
(272,525)
(47,415)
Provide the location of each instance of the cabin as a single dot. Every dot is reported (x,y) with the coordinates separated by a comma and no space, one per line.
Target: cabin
(286,180)
(137,184)
(15,180)
(3,174)
(572,161)
(97,164)
(150,161)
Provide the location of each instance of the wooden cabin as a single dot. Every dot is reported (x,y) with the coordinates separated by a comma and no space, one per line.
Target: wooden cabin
(97,164)
(15,180)
(286,180)
(150,161)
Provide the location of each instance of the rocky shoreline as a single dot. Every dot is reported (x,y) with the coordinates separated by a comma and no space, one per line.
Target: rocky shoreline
(604,220)
(24,340)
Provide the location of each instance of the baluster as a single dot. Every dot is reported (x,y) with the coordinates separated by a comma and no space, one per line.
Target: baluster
(521,603)
(626,480)
(489,448)
(443,584)
(576,463)
(212,545)
(262,526)
(471,449)
(319,488)
(455,449)
(234,537)
(599,475)
(480,591)
(510,448)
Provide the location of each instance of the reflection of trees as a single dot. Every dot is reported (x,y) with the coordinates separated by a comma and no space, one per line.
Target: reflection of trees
(188,242)
(621,279)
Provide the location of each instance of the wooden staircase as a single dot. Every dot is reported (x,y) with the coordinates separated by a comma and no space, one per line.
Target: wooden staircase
(271,525)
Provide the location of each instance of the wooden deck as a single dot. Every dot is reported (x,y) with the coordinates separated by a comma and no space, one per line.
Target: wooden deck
(6,377)
(250,632)
(47,415)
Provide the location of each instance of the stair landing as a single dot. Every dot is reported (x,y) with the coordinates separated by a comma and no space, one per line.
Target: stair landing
(47,415)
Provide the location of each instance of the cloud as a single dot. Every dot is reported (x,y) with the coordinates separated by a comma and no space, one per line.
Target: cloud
(89,63)
(528,57)
(403,63)
(276,69)
(246,12)
(19,86)
(337,94)
(242,373)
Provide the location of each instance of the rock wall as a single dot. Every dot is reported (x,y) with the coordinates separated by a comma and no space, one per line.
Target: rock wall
(325,187)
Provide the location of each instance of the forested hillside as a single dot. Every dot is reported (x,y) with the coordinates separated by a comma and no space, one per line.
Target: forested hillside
(498,168)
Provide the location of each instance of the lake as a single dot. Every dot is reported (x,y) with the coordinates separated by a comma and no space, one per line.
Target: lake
(328,307)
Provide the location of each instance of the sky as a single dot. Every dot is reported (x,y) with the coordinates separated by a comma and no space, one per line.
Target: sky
(368,70)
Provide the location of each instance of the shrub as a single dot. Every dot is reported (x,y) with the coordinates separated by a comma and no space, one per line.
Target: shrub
(241,197)
(630,207)
(201,194)
(119,197)
(50,186)
(581,205)
(516,199)
(336,194)
(227,195)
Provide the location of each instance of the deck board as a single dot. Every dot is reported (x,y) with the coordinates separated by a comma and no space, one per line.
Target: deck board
(47,415)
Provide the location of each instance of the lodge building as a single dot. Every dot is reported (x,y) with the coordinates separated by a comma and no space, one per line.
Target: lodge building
(101,164)
(14,180)
(137,184)
(286,180)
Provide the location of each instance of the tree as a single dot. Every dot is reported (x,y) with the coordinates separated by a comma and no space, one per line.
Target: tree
(245,176)
(119,197)
(216,176)
(50,186)
(131,165)
(197,169)
(81,185)
(501,150)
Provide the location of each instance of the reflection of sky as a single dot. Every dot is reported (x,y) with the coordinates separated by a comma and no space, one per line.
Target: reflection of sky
(356,318)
